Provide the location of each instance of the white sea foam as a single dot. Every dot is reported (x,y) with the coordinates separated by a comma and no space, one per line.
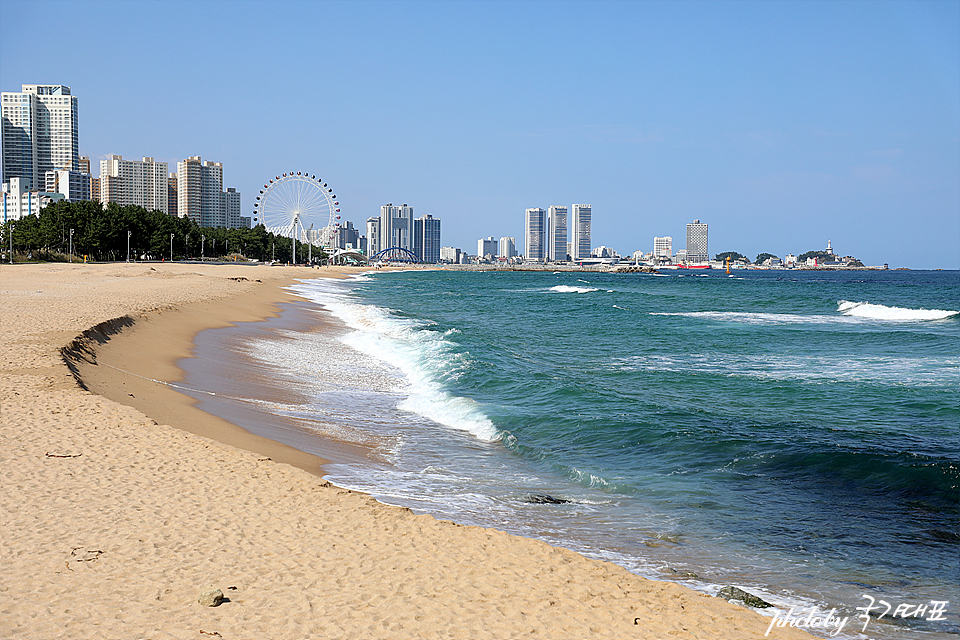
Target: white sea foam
(758,318)
(926,371)
(898,314)
(425,357)
(563,288)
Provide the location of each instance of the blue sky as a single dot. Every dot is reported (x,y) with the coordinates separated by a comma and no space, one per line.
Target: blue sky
(780,124)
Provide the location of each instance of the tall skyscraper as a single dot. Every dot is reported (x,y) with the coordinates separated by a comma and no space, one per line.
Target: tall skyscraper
(172,198)
(40,133)
(405,227)
(535,235)
(663,248)
(697,242)
(388,213)
(581,231)
(134,182)
(557,233)
(426,238)
(200,192)
(373,235)
(396,227)
(231,208)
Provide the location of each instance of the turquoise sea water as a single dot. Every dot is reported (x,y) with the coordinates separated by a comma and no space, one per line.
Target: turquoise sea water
(793,433)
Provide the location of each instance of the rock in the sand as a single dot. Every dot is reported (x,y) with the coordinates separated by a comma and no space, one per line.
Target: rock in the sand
(731,594)
(682,574)
(211,597)
(543,498)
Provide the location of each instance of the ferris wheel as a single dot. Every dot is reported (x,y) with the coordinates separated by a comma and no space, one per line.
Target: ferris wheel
(300,205)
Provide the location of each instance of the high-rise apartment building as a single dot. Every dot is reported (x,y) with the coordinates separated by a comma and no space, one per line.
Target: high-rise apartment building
(396,226)
(172,194)
(200,192)
(507,247)
(388,213)
(581,231)
(93,187)
(426,238)
(535,235)
(373,235)
(557,233)
(697,242)
(40,133)
(74,185)
(134,182)
(231,208)
(487,247)
(405,215)
(663,248)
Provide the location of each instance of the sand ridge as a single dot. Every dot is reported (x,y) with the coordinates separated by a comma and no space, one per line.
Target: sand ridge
(111,524)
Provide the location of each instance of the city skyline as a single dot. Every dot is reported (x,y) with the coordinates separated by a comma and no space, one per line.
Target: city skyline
(817,121)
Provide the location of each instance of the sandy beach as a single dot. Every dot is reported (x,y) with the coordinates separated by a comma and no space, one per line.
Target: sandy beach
(121,502)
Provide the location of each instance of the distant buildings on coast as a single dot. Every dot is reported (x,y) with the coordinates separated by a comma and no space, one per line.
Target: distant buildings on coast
(546,234)
(395,229)
(42,164)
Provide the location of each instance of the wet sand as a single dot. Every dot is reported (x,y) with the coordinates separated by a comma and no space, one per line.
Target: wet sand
(112,522)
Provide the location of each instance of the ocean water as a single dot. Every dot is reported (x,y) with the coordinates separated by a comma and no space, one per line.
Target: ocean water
(796,434)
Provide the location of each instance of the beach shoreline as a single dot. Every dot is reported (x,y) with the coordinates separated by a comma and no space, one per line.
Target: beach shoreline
(153,346)
(112,523)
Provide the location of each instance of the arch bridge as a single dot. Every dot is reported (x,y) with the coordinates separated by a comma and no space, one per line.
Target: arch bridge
(348,256)
(394,254)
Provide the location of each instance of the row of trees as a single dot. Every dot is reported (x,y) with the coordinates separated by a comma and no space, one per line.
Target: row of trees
(822,255)
(102,233)
(738,257)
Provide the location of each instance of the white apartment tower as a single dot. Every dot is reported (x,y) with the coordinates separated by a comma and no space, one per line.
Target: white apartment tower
(557,233)
(396,226)
(535,236)
(373,235)
(388,213)
(663,248)
(581,231)
(40,133)
(697,242)
(508,247)
(134,182)
(200,192)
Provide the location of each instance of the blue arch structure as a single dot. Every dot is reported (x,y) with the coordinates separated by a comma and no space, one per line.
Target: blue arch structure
(394,254)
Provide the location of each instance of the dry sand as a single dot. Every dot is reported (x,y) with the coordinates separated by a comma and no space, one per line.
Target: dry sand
(111,524)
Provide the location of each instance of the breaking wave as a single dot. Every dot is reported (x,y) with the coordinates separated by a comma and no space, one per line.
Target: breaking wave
(563,288)
(899,314)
